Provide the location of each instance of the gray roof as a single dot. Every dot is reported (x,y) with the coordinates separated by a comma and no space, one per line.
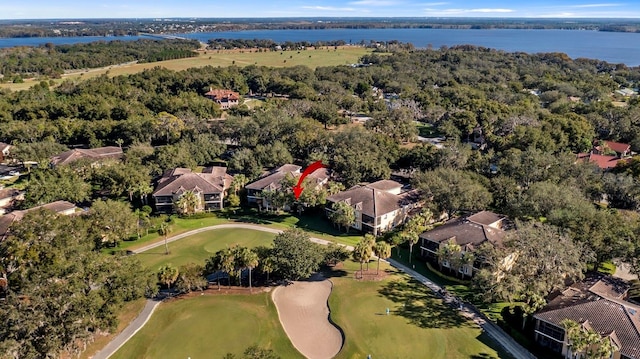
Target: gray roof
(94,154)
(179,180)
(485,218)
(385,185)
(372,201)
(4,146)
(605,317)
(597,302)
(465,233)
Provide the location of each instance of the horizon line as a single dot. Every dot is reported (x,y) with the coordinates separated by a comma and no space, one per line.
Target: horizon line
(502,18)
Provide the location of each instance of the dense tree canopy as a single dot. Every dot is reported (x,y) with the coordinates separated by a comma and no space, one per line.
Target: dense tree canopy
(59,286)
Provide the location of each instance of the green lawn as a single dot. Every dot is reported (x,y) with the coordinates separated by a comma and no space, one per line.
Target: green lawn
(210,326)
(418,323)
(199,247)
(492,310)
(311,58)
(314,223)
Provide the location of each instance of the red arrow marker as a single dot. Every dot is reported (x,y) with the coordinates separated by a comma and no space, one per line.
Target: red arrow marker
(297,190)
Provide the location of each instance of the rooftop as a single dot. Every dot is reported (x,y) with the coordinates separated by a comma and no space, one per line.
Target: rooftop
(470,231)
(179,180)
(8,219)
(372,200)
(95,154)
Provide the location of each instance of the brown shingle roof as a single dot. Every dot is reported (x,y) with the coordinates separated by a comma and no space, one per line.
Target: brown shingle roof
(8,219)
(466,232)
(598,301)
(370,200)
(95,154)
(272,180)
(604,316)
(486,218)
(182,179)
(385,185)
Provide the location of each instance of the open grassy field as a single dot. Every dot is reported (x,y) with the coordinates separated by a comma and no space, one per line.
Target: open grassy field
(419,324)
(312,58)
(313,223)
(210,326)
(199,247)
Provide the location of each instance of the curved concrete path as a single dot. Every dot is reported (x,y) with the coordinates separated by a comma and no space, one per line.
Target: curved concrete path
(495,332)
(129,331)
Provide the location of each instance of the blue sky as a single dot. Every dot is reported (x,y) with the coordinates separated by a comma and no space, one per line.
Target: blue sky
(39,9)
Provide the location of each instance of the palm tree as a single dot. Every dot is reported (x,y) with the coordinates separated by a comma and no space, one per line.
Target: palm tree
(164,230)
(361,253)
(188,203)
(250,260)
(370,240)
(227,262)
(267,266)
(167,274)
(414,227)
(383,251)
(214,264)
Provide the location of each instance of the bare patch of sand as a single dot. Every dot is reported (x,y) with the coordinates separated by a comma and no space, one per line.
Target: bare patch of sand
(304,314)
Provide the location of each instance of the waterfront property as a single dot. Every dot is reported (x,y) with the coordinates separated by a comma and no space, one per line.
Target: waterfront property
(209,188)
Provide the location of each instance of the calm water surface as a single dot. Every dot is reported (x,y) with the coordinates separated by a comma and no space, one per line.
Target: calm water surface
(614,47)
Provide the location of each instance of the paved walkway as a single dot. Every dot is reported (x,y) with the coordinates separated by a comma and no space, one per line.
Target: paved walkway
(129,331)
(495,332)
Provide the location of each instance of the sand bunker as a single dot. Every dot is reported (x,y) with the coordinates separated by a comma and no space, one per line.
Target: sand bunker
(302,308)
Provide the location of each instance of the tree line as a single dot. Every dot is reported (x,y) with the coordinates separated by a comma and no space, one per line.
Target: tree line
(51,60)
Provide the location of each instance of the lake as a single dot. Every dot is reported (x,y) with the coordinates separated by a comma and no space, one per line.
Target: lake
(614,47)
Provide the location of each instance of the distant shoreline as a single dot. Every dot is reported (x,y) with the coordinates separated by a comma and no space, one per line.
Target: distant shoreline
(39,28)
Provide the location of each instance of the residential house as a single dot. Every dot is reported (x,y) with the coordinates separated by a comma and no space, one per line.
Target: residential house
(8,196)
(468,233)
(626,92)
(606,154)
(272,182)
(4,151)
(210,186)
(96,156)
(599,304)
(379,207)
(225,98)
(59,207)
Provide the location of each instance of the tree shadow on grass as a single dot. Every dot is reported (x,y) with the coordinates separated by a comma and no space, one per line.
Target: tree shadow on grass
(421,306)
(485,339)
